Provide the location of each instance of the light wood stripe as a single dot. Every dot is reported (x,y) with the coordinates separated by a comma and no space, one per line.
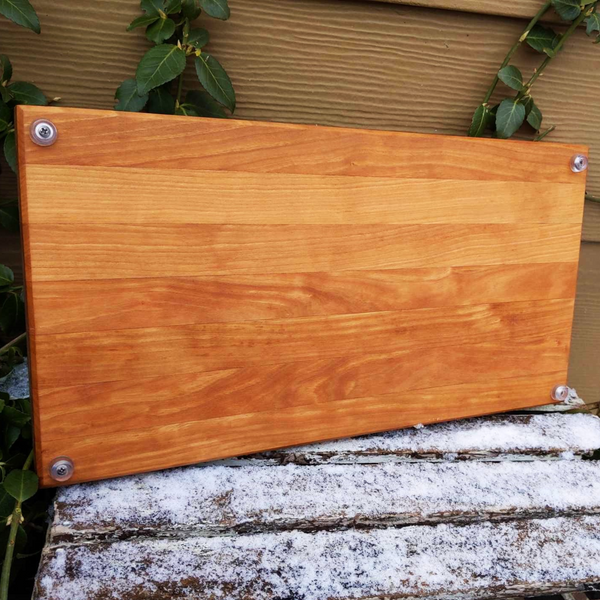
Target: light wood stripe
(123,195)
(79,252)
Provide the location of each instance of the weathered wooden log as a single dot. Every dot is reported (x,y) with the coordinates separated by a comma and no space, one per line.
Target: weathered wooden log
(474,561)
(450,510)
(220,500)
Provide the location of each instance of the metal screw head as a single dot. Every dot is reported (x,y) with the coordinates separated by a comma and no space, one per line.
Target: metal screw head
(579,163)
(62,469)
(43,132)
(560,393)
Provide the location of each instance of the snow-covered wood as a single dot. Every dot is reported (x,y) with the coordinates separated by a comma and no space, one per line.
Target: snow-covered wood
(220,500)
(503,437)
(491,507)
(473,561)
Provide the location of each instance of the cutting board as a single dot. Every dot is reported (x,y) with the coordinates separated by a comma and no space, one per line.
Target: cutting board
(204,288)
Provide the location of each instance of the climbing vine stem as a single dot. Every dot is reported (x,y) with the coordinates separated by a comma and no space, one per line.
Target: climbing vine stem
(15,521)
(545,8)
(504,119)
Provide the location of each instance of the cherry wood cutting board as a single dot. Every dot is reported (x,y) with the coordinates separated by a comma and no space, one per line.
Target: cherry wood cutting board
(204,288)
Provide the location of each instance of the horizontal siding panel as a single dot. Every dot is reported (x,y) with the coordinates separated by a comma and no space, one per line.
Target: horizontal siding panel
(507,8)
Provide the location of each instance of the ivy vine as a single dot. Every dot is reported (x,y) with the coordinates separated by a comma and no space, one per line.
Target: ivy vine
(506,117)
(170,26)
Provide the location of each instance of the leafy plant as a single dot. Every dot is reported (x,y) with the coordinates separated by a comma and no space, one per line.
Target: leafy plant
(22,510)
(22,514)
(505,118)
(11,302)
(11,94)
(169,25)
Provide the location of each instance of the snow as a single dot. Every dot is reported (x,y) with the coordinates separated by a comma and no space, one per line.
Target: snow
(503,434)
(445,560)
(16,383)
(209,499)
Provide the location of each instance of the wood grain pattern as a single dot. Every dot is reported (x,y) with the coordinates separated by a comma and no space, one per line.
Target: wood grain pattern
(185,250)
(217,394)
(286,199)
(421,70)
(156,302)
(95,456)
(175,144)
(294,284)
(140,353)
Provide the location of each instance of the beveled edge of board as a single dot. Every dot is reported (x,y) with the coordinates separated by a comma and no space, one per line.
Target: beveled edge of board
(29,311)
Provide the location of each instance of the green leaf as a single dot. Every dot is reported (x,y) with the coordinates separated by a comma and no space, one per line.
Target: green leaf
(5,95)
(11,312)
(6,116)
(161,101)
(9,218)
(25,405)
(6,68)
(15,417)
(128,98)
(511,76)
(218,9)
(152,7)
(215,80)
(10,150)
(198,38)
(10,435)
(27,93)
(191,9)
(160,64)
(7,503)
(20,12)
(21,485)
(509,118)
(534,118)
(204,105)
(592,23)
(142,21)
(161,30)
(480,121)
(567,9)
(541,38)
(16,461)
(187,110)
(172,7)
(527,102)
(7,277)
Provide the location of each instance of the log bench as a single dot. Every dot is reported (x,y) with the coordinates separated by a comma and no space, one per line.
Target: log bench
(500,506)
